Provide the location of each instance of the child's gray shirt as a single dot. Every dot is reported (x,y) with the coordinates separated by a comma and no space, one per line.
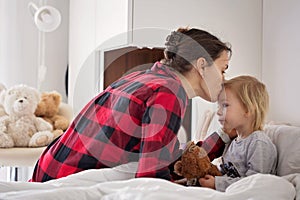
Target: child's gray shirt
(253,154)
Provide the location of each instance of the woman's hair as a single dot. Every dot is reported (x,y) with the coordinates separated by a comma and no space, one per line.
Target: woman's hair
(253,95)
(187,45)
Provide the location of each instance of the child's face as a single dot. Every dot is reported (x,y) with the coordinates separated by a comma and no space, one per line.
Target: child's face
(231,112)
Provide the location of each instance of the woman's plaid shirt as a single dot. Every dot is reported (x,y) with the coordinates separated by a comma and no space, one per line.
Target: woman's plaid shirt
(135,119)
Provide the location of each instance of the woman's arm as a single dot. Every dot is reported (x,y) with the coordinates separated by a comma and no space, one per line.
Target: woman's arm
(159,142)
(214,144)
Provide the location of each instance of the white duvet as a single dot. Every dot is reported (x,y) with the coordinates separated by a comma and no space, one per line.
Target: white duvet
(118,183)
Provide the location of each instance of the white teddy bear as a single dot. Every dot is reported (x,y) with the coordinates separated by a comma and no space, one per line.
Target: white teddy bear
(20,127)
(2,111)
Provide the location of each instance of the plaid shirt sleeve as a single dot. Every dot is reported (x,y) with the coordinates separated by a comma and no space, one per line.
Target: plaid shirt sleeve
(160,124)
(214,145)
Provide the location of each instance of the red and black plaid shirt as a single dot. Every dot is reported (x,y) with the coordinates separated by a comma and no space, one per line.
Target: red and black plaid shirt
(213,145)
(134,119)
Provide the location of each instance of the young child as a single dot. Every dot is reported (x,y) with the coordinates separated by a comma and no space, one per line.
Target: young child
(242,107)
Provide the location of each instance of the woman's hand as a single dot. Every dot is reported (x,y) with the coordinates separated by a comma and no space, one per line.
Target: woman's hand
(208,181)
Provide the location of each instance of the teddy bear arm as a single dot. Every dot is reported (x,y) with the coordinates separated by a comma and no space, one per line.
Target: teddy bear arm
(41,138)
(49,120)
(6,140)
(191,181)
(190,171)
(42,125)
(4,121)
(2,111)
(214,171)
(60,122)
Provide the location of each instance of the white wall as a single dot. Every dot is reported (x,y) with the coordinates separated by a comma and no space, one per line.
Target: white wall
(19,46)
(82,43)
(95,21)
(234,21)
(92,23)
(281,58)
(263,34)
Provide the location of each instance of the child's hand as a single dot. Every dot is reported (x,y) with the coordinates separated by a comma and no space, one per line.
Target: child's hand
(208,181)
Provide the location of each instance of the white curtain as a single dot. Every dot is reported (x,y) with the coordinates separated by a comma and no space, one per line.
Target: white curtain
(18,47)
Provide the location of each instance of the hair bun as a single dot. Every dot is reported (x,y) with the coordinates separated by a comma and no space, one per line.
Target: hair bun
(172,42)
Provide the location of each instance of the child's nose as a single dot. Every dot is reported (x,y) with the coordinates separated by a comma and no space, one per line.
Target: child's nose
(219,111)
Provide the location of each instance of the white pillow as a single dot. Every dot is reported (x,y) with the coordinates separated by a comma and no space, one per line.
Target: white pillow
(287,140)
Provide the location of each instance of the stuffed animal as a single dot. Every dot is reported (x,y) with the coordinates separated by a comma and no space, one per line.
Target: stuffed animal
(21,128)
(195,164)
(48,109)
(2,111)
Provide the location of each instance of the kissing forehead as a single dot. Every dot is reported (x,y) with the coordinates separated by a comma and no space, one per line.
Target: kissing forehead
(222,96)
(226,95)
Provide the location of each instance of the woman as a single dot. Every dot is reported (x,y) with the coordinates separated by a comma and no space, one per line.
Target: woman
(138,116)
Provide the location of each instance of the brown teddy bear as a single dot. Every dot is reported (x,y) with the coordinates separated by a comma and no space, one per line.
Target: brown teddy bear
(48,109)
(195,164)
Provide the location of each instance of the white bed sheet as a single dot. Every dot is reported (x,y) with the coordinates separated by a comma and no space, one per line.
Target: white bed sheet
(118,183)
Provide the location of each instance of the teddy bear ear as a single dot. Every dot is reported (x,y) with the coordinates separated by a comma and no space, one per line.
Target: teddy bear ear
(37,94)
(2,87)
(189,144)
(58,96)
(178,168)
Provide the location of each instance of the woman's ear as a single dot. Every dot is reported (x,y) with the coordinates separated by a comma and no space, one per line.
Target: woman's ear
(201,63)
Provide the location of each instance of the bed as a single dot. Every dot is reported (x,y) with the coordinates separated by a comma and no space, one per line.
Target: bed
(119,182)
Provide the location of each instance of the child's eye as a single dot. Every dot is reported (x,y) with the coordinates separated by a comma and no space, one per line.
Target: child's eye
(225,105)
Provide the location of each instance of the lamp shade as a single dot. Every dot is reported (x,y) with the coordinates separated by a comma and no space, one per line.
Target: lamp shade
(46,18)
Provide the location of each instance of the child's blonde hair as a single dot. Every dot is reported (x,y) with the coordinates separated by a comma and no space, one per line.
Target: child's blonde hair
(254,96)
